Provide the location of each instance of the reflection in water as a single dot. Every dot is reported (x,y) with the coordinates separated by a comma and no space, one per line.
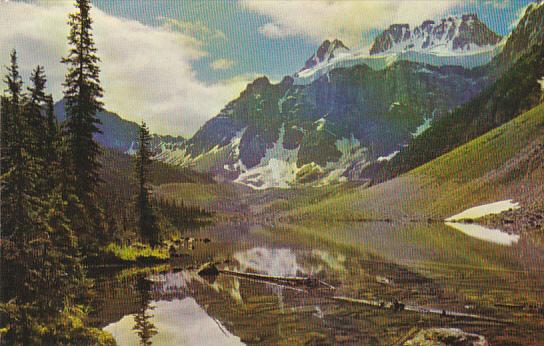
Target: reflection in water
(179,322)
(278,262)
(480,232)
(428,263)
(142,320)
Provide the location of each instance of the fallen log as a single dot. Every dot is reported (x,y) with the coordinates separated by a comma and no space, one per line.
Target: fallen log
(282,280)
(397,306)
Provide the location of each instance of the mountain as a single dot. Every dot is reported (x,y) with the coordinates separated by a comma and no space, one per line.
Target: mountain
(504,163)
(120,134)
(454,41)
(281,135)
(325,53)
(515,74)
(449,35)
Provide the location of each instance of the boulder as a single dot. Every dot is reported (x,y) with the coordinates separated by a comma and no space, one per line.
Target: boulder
(446,336)
(208,269)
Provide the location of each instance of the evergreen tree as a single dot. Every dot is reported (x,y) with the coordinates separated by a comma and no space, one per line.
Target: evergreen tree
(19,172)
(51,144)
(146,217)
(82,93)
(33,112)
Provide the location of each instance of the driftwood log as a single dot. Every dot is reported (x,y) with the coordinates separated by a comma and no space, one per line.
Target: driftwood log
(281,280)
(397,306)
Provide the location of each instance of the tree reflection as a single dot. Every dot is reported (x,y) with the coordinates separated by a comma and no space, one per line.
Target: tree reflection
(143,325)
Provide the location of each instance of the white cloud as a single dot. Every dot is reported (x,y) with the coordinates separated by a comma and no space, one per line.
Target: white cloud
(193,29)
(346,20)
(222,64)
(273,30)
(146,71)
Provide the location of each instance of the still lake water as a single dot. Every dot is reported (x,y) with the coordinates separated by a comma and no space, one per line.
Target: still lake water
(426,265)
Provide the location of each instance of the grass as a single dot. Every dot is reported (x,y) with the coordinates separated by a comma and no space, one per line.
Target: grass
(136,252)
(489,168)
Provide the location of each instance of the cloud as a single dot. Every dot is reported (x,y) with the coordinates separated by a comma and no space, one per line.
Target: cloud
(273,30)
(346,20)
(222,64)
(193,29)
(146,71)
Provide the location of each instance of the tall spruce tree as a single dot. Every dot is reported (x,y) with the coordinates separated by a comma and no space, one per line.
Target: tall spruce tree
(33,112)
(19,172)
(146,217)
(82,93)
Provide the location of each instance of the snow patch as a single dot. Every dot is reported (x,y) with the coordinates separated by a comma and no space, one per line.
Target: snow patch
(421,128)
(484,210)
(277,168)
(132,150)
(388,157)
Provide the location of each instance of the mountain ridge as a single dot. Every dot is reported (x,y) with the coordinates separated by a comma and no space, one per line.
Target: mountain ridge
(455,33)
(118,133)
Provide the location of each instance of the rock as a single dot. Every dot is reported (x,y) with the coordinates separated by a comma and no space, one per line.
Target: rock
(208,269)
(446,336)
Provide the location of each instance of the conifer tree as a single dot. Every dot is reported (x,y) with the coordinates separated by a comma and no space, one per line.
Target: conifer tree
(82,93)
(51,140)
(147,223)
(18,174)
(33,113)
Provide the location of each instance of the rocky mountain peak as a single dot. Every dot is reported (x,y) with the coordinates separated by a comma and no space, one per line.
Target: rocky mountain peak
(326,51)
(451,34)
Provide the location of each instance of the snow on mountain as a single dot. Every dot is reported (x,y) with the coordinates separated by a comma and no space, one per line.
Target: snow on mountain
(465,59)
(457,41)
(452,34)
(277,168)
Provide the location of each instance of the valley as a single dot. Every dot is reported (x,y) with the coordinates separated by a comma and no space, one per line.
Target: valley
(387,191)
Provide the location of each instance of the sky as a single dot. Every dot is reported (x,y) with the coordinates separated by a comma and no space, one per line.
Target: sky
(176,64)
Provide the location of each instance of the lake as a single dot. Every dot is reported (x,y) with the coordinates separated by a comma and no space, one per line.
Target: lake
(432,266)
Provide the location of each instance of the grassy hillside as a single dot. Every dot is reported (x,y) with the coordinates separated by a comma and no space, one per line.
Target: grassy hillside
(506,162)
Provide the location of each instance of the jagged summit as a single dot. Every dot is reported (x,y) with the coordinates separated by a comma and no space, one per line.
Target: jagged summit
(327,51)
(451,34)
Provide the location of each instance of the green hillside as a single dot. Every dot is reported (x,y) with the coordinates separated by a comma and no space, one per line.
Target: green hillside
(504,163)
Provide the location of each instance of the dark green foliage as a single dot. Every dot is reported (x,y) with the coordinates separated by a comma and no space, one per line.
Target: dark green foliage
(19,203)
(42,278)
(147,223)
(82,93)
(182,216)
(80,161)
